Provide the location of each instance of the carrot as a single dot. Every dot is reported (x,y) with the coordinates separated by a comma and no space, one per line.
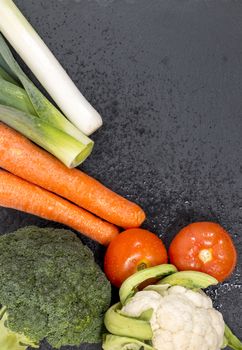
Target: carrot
(21,157)
(19,194)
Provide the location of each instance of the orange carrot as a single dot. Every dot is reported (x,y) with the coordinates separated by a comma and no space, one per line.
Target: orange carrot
(21,157)
(19,194)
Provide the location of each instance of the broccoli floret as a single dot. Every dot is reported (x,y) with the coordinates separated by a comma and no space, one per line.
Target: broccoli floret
(50,288)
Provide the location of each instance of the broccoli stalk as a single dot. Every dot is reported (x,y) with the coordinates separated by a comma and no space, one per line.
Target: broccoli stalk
(10,340)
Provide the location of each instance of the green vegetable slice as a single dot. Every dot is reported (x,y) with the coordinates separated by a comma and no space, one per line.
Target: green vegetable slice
(119,324)
(70,151)
(232,341)
(130,285)
(190,279)
(114,342)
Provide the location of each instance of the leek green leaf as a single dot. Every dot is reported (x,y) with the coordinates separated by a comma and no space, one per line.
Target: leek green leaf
(7,77)
(16,97)
(63,146)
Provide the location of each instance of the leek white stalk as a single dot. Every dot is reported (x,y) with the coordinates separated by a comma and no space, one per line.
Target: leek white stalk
(25,40)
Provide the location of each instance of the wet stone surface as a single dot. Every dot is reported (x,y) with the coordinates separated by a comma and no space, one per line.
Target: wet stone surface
(167,78)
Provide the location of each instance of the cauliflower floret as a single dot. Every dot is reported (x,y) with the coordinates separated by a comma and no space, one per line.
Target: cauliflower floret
(182,319)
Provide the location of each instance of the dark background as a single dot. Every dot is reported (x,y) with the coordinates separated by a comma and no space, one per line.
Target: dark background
(167,78)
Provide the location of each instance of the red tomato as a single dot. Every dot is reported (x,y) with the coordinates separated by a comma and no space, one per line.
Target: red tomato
(205,247)
(130,251)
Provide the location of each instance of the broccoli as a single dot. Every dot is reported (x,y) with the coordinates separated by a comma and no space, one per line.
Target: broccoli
(50,288)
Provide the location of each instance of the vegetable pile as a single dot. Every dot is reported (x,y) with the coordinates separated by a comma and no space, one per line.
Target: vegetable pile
(50,288)
(174,314)
(24,108)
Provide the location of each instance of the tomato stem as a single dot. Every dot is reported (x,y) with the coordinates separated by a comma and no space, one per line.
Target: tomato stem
(205,255)
(142,266)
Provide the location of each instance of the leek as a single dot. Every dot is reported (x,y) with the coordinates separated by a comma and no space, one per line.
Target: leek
(47,69)
(16,97)
(5,76)
(63,146)
(31,101)
(43,107)
(7,70)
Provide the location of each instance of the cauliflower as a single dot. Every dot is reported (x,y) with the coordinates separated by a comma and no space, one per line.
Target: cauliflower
(173,314)
(182,319)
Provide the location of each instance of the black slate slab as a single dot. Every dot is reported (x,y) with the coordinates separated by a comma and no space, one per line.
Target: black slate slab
(167,78)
